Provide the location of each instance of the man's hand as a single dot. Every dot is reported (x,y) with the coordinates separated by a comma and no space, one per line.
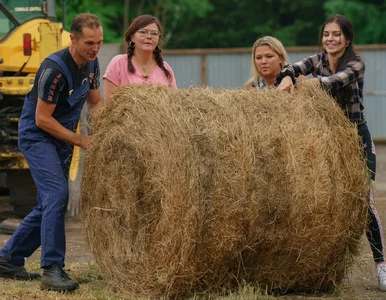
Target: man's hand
(45,121)
(85,141)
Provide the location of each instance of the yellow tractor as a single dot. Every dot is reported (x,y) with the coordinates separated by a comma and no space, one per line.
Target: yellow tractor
(28,34)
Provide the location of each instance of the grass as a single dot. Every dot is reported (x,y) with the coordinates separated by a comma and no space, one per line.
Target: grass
(93,286)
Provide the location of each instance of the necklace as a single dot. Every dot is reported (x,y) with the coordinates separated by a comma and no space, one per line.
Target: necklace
(144,70)
(144,73)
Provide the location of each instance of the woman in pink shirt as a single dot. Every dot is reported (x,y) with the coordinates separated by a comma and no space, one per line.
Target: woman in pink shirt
(143,62)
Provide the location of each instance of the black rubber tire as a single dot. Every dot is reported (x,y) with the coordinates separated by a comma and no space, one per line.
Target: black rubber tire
(22,191)
(3,181)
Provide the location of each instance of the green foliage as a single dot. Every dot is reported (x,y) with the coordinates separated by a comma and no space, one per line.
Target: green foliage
(171,13)
(368,18)
(236,23)
(105,10)
(91,273)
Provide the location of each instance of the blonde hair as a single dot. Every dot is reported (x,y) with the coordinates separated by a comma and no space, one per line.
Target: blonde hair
(275,45)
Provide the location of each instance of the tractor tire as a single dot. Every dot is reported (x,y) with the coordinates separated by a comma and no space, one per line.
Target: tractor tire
(22,192)
(3,181)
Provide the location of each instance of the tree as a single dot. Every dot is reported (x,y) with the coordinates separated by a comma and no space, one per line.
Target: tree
(105,10)
(238,23)
(171,13)
(368,18)
(235,23)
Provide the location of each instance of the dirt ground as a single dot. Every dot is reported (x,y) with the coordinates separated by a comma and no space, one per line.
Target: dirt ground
(362,280)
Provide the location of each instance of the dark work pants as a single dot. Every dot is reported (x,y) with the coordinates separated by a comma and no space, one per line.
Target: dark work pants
(374,231)
(44,226)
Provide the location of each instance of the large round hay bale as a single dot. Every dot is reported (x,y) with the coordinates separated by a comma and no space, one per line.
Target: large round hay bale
(201,189)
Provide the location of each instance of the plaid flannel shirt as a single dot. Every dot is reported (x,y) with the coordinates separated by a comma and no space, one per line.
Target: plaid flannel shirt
(352,73)
(261,84)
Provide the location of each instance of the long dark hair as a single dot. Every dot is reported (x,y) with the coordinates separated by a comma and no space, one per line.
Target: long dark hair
(137,24)
(342,95)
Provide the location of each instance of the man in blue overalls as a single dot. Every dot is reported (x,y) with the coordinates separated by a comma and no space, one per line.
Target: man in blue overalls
(51,111)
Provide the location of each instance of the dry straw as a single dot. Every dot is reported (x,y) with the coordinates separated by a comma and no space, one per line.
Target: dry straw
(198,190)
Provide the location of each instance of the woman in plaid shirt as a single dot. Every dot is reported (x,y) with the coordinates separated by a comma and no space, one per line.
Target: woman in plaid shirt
(339,69)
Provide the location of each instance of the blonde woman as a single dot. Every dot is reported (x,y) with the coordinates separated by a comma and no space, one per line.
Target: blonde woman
(268,58)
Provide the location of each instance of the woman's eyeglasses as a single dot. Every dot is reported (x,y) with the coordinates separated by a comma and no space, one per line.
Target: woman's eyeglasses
(145,32)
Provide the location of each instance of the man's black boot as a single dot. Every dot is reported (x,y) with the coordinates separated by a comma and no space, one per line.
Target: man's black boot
(56,279)
(9,270)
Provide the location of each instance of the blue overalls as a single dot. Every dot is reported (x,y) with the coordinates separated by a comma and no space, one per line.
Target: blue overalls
(49,161)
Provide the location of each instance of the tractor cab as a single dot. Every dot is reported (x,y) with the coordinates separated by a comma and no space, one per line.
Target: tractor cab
(16,12)
(28,34)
